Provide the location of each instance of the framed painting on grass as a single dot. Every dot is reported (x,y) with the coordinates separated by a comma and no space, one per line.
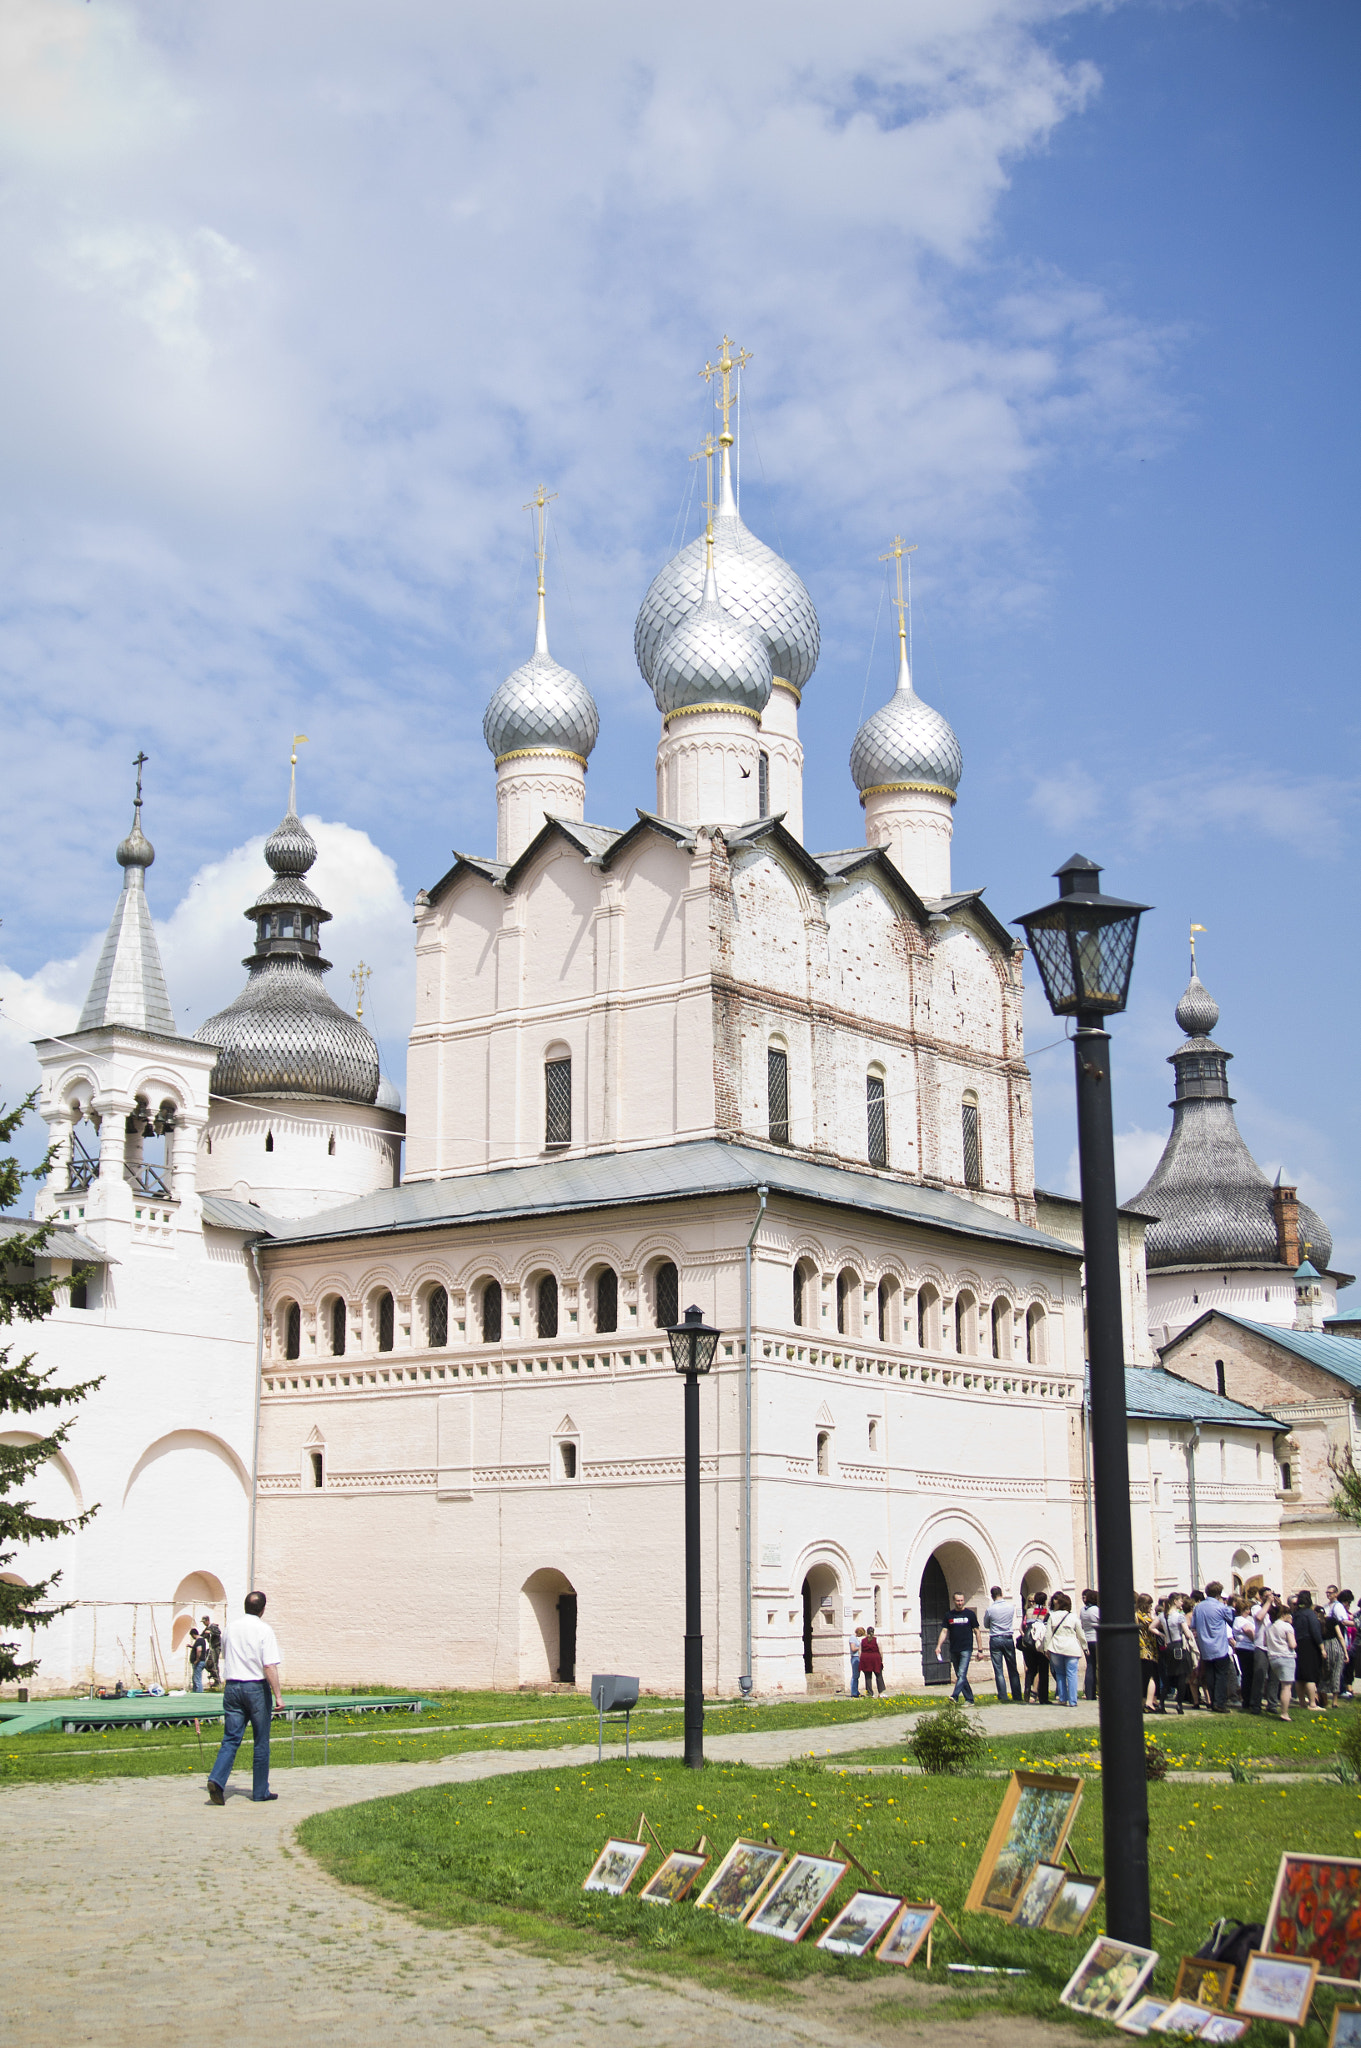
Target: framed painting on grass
(1043,1886)
(797,1896)
(1139,2017)
(1072,1909)
(1223,2027)
(740,1879)
(1109,1978)
(615,1867)
(1205,1982)
(1183,2017)
(1031,1827)
(906,1935)
(860,1923)
(671,1880)
(1316,1914)
(1346,2028)
(1277,1988)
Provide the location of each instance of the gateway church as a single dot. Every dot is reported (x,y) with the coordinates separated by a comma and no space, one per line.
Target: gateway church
(681,1060)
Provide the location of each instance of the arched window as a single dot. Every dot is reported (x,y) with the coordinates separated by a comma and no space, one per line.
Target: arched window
(824,1453)
(887,1290)
(927,1303)
(437,1317)
(1001,1328)
(491,1312)
(546,1306)
(1035,1335)
(340,1323)
(777,1094)
(973,1158)
(964,1323)
(607,1300)
(293,1331)
(269,1141)
(877,1131)
(799,1278)
(666,1288)
(847,1295)
(557,1095)
(331,1146)
(386,1321)
(316,1465)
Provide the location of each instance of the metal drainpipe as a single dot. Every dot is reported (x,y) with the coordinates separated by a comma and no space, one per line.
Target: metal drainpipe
(1191,1443)
(255,1431)
(746,1453)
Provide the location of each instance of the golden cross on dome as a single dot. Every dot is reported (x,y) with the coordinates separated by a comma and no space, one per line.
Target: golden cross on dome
(706,456)
(360,976)
(1194,929)
(724,367)
(536,505)
(299,740)
(896,554)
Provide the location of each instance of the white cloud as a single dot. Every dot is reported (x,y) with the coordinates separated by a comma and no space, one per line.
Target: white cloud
(1136,1154)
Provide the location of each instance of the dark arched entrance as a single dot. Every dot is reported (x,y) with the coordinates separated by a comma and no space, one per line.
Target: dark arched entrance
(935,1605)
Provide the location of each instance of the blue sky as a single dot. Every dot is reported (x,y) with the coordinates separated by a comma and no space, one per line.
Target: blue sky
(303,305)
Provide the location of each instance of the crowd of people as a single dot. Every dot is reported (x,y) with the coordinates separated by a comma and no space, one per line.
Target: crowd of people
(1255,1651)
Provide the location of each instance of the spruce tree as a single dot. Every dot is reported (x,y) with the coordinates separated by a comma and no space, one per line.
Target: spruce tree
(25,1391)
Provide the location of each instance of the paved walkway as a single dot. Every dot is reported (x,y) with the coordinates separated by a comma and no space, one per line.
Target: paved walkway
(135,1912)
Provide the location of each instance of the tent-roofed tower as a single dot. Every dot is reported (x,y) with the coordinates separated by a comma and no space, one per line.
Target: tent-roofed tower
(302,1117)
(1226,1237)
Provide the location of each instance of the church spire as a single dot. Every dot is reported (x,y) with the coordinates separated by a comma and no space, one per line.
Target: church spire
(129,983)
(903,606)
(537,505)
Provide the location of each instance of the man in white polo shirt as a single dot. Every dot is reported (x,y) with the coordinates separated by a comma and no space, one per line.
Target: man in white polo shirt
(250,1670)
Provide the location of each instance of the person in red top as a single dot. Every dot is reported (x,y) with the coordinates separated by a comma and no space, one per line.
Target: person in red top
(871,1662)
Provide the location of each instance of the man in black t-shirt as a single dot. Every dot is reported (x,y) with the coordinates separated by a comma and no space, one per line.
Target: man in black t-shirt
(961,1633)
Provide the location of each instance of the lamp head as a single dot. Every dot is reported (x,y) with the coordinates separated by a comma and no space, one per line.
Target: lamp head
(1083,943)
(693,1343)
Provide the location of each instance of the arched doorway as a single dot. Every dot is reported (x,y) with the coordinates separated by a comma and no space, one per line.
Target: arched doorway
(1034,1582)
(824,1665)
(951,1569)
(548,1629)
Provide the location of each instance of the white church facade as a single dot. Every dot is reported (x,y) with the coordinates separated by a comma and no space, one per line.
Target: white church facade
(682,1060)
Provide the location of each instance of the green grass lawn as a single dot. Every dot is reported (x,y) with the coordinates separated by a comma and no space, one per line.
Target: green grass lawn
(1191,1742)
(511,1854)
(453,1724)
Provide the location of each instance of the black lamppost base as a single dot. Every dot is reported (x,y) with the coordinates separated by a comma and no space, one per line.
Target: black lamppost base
(694,1703)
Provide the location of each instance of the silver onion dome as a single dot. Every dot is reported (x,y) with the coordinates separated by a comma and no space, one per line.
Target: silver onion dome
(905,741)
(711,658)
(284,1034)
(541,707)
(1197,1012)
(755,586)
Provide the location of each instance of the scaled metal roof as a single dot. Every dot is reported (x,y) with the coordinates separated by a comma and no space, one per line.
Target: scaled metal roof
(664,1173)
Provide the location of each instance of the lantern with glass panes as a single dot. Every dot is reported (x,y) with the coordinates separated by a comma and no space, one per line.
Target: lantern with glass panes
(1084,943)
(693,1343)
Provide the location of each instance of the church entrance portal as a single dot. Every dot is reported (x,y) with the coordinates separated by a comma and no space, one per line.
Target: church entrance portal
(949,1570)
(548,1629)
(824,1666)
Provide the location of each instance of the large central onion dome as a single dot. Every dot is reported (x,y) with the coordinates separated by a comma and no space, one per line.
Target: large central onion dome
(284,1034)
(757,589)
(541,707)
(905,744)
(711,659)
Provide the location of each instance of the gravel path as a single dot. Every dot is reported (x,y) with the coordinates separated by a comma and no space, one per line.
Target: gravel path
(134,1911)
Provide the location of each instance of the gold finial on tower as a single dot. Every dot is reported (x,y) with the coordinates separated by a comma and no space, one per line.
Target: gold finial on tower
(538,504)
(1194,929)
(360,976)
(299,740)
(903,605)
(706,456)
(730,358)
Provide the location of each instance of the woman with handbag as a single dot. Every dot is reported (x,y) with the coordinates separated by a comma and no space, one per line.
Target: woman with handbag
(1064,1642)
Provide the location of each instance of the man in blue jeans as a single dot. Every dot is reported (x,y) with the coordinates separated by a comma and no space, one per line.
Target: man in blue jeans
(961,1633)
(999,1619)
(251,1672)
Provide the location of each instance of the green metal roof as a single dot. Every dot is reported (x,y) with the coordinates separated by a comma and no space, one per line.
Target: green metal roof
(1153,1394)
(665,1173)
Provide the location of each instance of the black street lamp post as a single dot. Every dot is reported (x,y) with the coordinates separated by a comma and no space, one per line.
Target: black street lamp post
(1084,948)
(693,1345)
